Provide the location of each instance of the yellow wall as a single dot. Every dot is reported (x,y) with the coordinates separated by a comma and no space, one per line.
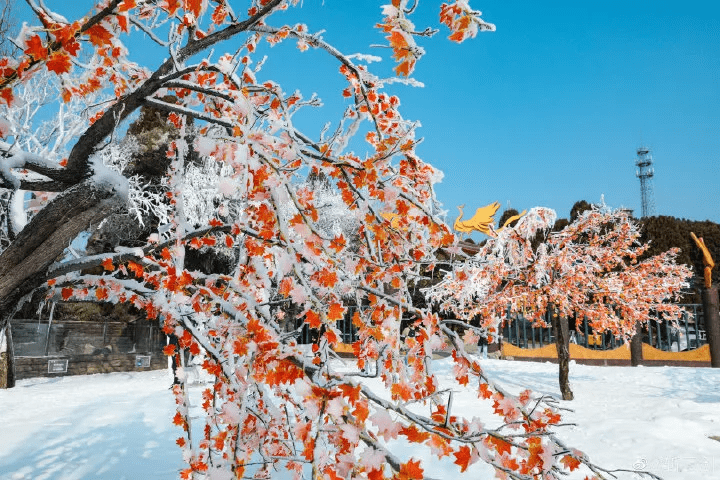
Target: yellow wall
(701,354)
(578,352)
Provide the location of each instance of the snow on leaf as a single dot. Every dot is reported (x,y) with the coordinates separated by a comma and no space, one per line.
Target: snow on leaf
(387,427)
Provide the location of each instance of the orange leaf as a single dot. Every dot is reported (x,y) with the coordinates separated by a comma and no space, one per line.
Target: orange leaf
(108,265)
(336,311)
(136,268)
(66,293)
(500,445)
(123,23)
(462,457)
(411,471)
(169,350)
(193,6)
(571,463)
(286,285)
(99,35)
(36,49)
(126,5)
(7,95)
(485,391)
(457,36)
(413,434)
(172,6)
(404,68)
(72,47)
(313,319)
(101,293)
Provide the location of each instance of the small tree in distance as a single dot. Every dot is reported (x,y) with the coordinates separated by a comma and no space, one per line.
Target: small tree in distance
(589,269)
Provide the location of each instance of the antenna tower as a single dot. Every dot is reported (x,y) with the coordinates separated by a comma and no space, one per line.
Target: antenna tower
(645,173)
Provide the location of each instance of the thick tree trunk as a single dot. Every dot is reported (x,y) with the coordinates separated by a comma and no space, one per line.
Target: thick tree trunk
(562,344)
(636,355)
(24,264)
(711,304)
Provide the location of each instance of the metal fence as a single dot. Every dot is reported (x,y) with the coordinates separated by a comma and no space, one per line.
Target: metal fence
(687,333)
(34,338)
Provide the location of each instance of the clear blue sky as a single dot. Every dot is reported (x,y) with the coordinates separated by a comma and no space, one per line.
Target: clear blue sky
(550,108)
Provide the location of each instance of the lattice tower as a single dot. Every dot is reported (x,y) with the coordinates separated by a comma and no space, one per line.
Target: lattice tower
(645,173)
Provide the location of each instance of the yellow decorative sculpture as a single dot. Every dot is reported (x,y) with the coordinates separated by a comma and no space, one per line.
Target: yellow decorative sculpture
(393,218)
(707,259)
(483,220)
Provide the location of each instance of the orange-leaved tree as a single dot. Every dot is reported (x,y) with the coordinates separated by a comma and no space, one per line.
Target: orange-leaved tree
(589,269)
(271,403)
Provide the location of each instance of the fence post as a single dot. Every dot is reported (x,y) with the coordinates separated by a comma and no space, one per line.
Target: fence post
(712,323)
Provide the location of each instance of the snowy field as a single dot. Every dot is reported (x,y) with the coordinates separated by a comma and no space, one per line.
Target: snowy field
(117,426)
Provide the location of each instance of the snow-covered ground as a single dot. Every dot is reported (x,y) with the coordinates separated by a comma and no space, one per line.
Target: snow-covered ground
(117,426)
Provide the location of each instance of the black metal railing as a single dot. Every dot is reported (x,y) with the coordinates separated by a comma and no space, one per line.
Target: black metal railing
(687,333)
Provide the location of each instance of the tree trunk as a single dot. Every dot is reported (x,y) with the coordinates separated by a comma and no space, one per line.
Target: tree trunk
(636,355)
(24,264)
(562,344)
(712,323)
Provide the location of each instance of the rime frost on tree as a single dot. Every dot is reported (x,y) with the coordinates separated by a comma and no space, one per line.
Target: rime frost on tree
(219,161)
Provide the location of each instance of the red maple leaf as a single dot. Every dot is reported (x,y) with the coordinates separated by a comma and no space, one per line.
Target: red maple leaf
(411,471)
(500,445)
(36,49)
(463,457)
(313,319)
(108,265)
(72,47)
(193,6)
(101,293)
(7,95)
(122,23)
(336,311)
(286,285)
(136,268)
(126,5)
(413,434)
(66,293)
(99,35)
(571,463)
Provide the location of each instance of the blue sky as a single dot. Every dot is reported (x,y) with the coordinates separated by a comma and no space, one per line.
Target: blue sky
(550,108)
